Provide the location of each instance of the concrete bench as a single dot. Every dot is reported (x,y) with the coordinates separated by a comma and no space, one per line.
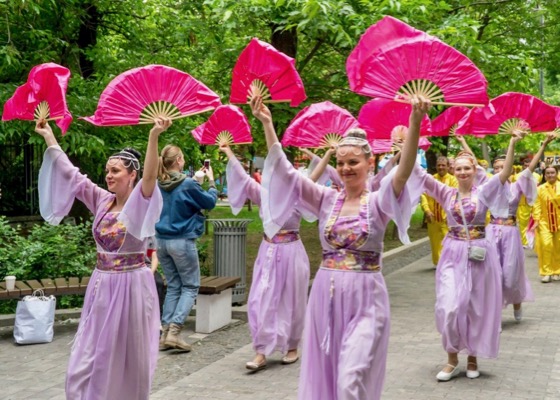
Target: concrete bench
(213,304)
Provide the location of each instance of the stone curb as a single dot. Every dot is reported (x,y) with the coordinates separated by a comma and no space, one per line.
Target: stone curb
(390,265)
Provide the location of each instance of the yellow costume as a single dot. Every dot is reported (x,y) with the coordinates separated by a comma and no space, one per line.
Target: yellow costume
(524,212)
(547,212)
(437,229)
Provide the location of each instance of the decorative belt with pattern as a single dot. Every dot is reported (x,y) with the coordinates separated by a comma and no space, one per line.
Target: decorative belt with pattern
(475,232)
(283,237)
(120,262)
(351,260)
(509,221)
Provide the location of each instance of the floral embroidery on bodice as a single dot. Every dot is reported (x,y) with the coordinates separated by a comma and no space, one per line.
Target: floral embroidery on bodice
(110,233)
(469,207)
(348,232)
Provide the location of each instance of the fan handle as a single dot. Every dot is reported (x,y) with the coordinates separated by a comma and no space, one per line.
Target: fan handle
(225,137)
(164,109)
(428,90)
(442,103)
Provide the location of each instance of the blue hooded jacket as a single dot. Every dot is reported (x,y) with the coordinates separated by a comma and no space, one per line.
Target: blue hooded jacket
(181,217)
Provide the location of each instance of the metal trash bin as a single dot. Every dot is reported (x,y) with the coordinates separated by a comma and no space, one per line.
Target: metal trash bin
(230,252)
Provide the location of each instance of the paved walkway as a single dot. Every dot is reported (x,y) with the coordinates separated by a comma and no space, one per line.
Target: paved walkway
(528,366)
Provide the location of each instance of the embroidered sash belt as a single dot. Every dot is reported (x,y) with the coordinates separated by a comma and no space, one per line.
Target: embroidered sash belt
(509,221)
(117,262)
(351,260)
(475,232)
(283,236)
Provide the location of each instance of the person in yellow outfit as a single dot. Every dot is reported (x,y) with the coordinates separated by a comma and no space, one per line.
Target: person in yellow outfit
(524,209)
(435,216)
(546,213)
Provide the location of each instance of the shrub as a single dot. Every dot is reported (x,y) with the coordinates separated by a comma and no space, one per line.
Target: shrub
(47,252)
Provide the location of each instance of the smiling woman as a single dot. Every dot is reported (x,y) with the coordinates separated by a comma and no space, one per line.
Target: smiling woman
(115,349)
(348,314)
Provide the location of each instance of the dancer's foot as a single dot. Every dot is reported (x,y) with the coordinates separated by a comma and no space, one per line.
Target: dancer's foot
(290,357)
(472,368)
(448,372)
(517,313)
(258,363)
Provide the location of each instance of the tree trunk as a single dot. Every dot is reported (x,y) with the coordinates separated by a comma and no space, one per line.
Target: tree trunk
(285,41)
(87,37)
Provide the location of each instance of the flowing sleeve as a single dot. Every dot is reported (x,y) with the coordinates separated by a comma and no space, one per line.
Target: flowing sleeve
(329,173)
(436,189)
(140,214)
(495,195)
(400,209)
(284,190)
(241,187)
(526,184)
(375,181)
(481,176)
(60,183)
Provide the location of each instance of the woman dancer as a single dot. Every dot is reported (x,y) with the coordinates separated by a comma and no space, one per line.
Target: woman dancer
(276,307)
(115,350)
(347,318)
(181,223)
(503,231)
(546,213)
(468,282)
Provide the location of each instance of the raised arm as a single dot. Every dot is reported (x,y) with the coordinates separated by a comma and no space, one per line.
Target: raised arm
(535,161)
(322,166)
(149,178)
(508,163)
(43,128)
(420,107)
(263,114)
(463,142)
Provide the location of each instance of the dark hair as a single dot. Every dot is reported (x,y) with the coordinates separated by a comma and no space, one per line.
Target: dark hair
(131,161)
(501,157)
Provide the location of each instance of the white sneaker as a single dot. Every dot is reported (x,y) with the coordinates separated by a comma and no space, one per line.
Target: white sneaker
(445,376)
(556,277)
(545,279)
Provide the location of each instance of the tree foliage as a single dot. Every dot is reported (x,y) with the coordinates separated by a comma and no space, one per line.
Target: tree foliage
(512,42)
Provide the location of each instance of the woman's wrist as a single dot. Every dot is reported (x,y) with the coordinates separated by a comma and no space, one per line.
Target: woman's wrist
(212,183)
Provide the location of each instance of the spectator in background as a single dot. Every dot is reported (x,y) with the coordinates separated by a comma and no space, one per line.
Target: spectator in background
(257,175)
(181,223)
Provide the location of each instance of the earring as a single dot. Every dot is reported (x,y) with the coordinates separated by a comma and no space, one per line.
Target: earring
(129,184)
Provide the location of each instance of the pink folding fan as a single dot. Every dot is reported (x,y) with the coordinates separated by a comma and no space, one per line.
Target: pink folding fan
(386,119)
(261,70)
(43,96)
(392,60)
(508,113)
(381,146)
(227,125)
(319,125)
(141,95)
(446,123)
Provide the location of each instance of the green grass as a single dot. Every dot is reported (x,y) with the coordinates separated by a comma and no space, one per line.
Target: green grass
(309,235)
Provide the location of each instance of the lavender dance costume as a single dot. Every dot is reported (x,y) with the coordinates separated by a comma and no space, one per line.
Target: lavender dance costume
(278,296)
(469,293)
(115,350)
(505,233)
(347,320)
